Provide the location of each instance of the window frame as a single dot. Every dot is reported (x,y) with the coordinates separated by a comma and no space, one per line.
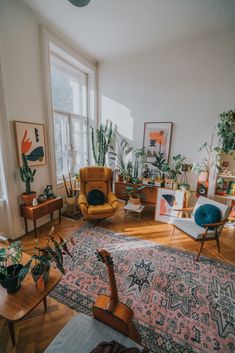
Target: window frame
(87,65)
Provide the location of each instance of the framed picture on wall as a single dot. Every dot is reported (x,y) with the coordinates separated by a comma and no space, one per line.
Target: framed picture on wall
(157,138)
(167,201)
(30,140)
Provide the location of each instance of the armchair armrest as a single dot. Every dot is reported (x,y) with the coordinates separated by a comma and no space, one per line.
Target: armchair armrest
(112,200)
(216,224)
(82,200)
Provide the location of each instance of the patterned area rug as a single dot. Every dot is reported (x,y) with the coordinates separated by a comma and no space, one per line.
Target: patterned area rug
(179,305)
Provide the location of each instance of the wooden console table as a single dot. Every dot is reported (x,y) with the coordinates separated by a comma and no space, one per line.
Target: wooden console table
(149,193)
(41,210)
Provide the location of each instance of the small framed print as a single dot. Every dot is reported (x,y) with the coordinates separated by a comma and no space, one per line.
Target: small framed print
(30,141)
(167,203)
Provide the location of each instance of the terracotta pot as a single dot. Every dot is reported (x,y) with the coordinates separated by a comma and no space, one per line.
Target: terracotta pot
(28,198)
(134,200)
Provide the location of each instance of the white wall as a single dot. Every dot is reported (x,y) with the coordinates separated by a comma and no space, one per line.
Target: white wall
(20,55)
(188,84)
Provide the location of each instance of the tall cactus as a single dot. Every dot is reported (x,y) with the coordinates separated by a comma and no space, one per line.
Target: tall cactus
(27,175)
(101,140)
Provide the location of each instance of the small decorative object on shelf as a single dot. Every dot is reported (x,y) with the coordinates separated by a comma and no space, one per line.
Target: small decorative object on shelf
(12,272)
(48,191)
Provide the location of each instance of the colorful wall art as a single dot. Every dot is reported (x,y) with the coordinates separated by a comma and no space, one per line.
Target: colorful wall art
(167,201)
(157,138)
(30,139)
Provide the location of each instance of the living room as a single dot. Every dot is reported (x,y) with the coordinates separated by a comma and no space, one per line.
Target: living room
(159,75)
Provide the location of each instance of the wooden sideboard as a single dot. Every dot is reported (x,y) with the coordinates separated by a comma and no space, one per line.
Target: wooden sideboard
(43,209)
(149,193)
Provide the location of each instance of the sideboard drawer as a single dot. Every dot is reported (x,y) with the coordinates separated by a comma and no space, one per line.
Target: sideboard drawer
(55,205)
(41,211)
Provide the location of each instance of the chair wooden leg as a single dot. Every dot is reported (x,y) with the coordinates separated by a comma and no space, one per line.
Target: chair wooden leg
(172,233)
(217,241)
(200,250)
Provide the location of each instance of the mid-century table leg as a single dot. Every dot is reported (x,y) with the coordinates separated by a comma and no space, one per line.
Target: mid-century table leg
(51,216)
(35,228)
(45,303)
(59,215)
(12,331)
(26,225)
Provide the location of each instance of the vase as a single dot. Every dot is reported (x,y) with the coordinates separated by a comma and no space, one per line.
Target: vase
(12,284)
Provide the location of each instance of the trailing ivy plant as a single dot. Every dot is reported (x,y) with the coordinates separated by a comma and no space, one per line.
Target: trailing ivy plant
(226,132)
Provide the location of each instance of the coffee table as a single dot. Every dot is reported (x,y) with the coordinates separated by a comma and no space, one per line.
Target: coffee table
(13,307)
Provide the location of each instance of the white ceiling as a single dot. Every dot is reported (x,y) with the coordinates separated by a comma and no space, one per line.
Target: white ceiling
(107,29)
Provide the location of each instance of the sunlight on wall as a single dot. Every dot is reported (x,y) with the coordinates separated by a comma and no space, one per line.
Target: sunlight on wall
(119,115)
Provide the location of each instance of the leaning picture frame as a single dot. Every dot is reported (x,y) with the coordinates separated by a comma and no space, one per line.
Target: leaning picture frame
(30,141)
(167,203)
(157,139)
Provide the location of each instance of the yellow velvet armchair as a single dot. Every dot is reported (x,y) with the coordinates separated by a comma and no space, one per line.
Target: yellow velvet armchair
(97,178)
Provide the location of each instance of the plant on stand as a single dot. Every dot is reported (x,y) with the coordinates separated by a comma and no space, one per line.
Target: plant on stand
(26,173)
(161,165)
(12,272)
(135,195)
(45,256)
(101,141)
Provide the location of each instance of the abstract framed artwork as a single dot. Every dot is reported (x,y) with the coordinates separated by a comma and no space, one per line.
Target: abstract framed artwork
(167,201)
(157,138)
(30,140)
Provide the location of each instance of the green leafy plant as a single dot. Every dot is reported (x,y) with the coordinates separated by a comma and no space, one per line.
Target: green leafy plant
(52,252)
(135,191)
(174,171)
(161,164)
(139,153)
(27,174)
(12,255)
(226,132)
(119,152)
(212,158)
(101,141)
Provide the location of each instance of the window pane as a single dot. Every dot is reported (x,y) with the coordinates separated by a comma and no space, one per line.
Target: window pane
(79,143)
(62,146)
(69,88)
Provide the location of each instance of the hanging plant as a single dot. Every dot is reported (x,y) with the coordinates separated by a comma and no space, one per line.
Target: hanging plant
(226,132)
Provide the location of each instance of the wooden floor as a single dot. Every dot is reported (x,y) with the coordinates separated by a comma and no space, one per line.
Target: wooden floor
(36,331)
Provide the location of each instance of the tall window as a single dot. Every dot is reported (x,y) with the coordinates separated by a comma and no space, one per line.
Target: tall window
(70,114)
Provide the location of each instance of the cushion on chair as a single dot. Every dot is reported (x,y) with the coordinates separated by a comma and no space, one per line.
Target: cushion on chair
(188,226)
(95,197)
(206,214)
(100,209)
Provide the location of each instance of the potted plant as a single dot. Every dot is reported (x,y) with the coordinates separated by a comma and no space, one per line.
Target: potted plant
(26,173)
(12,272)
(139,154)
(134,194)
(44,256)
(174,172)
(118,153)
(226,131)
(161,165)
(101,141)
(211,159)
